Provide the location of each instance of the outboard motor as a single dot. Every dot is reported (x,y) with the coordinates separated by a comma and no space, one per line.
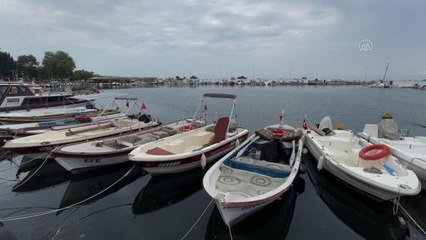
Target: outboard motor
(146,118)
(90,105)
(388,128)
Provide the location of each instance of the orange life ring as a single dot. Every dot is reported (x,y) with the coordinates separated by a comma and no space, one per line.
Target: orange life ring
(278,132)
(186,128)
(374,152)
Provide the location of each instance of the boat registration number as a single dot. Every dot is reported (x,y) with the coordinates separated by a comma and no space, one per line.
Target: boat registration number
(92,160)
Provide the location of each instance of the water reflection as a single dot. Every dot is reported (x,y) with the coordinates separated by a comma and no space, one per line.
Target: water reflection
(87,185)
(368,218)
(272,222)
(164,191)
(39,177)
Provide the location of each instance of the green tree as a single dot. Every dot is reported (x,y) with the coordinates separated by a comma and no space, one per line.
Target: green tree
(82,75)
(58,65)
(7,66)
(241,77)
(27,66)
(193,77)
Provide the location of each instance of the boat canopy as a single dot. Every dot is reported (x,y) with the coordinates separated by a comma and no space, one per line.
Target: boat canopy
(220,95)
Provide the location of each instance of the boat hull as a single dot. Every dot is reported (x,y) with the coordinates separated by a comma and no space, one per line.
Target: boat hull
(43,151)
(81,164)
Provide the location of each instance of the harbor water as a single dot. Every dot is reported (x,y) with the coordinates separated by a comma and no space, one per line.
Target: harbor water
(123,202)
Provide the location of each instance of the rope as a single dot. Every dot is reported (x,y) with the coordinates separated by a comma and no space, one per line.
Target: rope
(414,221)
(396,202)
(39,156)
(193,225)
(230,233)
(31,215)
(28,178)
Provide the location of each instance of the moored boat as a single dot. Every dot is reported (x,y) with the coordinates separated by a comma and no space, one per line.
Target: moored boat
(43,115)
(368,168)
(99,153)
(40,145)
(22,96)
(26,129)
(256,173)
(192,149)
(411,150)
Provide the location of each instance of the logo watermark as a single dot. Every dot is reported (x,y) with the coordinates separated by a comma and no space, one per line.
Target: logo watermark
(365,45)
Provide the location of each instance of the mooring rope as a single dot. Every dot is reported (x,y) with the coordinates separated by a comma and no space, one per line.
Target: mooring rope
(36,158)
(230,233)
(28,178)
(31,215)
(198,219)
(412,219)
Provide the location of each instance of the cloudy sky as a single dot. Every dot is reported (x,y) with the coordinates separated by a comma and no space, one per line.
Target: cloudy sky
(223,38)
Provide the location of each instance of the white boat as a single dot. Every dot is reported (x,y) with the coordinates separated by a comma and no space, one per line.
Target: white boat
(381,178)
(255,174)
(22,96)
(40,145)
(25,129)
(99,153)
(191,149)
(40,115)
(410,150)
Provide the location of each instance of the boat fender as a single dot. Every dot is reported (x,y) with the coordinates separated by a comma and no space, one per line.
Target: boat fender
(320,162)
(203,161)
(237,143)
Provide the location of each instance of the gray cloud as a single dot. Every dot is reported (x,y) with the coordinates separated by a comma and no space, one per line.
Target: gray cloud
(217,38)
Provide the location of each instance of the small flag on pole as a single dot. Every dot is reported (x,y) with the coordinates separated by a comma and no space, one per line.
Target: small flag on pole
(127,103)
(143,106)
(205,107)
(305,124)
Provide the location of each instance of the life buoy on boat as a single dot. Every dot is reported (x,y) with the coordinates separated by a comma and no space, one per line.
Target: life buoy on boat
(186,128)
(374,152)
(278,132)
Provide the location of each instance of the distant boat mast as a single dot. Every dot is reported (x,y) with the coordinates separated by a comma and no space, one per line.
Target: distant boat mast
(384,76)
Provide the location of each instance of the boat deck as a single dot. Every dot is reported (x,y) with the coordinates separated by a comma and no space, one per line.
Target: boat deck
(246,180)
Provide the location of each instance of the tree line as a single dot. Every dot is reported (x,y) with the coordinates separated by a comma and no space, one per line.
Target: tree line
(57,65)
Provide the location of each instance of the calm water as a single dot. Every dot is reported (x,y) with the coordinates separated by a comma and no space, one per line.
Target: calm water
(141,207)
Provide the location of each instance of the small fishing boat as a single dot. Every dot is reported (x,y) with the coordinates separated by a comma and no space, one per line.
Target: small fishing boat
(370,169)
(43,115)
(40,145)
(411,150)
(192,149)
(26,129)
(99,153)
(256,173)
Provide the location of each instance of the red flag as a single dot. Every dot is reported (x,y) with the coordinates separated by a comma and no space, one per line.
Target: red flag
(205,107)
(305,124)
(143,107)
(127,103)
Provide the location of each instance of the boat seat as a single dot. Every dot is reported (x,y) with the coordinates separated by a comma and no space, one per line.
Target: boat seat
(259,166)
(220,130)
(159,151)
(125,143)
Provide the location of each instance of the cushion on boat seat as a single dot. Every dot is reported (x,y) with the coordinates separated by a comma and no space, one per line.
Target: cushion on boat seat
(259,167)
(159,151)
(220,130)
